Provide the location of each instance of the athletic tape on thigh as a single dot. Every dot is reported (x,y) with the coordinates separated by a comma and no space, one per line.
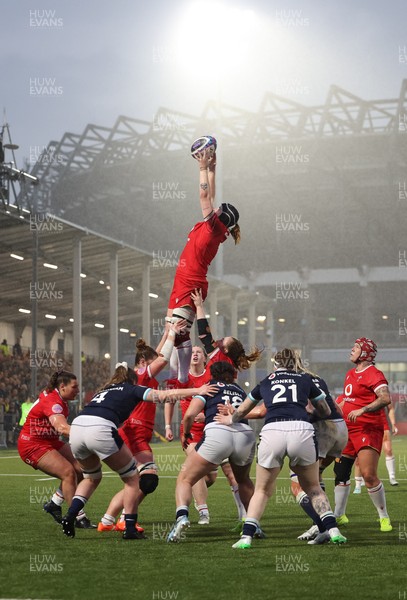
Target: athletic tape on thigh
(183,312)
(96,474)
(129,470)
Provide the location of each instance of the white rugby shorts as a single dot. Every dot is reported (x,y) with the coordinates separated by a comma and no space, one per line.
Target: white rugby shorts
(93,435)
(295,439)
(236,442)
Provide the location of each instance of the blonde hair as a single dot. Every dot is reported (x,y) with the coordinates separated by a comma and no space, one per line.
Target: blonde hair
(300,365)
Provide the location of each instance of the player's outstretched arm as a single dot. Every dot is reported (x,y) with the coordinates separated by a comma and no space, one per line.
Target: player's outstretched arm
(205,197)
(165,347)
(204,331)
(212,177)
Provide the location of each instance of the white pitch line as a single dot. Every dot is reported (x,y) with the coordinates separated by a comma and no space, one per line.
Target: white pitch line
(4,457)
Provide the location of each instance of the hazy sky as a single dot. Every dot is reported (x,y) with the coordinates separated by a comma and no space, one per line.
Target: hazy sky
(65,64)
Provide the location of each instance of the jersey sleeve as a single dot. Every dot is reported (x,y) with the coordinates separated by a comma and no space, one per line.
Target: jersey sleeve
(255,395)
(51,406)
(141,391)
(216,226)
(200,398)
(316,393)
(378,380)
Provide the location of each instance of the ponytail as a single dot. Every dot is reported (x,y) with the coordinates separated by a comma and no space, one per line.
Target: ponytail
(58,378)
(235,233)
(237,354)
(122,374)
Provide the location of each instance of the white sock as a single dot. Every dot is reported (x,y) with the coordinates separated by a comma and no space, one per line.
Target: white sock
(58,497)
(174,364)
(108,519)
(341,498)
(358,482)
(184,352)
(236,497)
(378,497)
(391,466)
(203,509)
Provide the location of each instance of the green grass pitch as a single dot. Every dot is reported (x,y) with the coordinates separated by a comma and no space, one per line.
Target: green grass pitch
(37,561)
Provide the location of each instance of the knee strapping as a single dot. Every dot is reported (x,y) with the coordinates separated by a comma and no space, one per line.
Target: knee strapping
(342,469)
(146,467)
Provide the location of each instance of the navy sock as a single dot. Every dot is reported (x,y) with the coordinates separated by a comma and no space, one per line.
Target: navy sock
(181,512)
(78,502)
(131,521)
(250,526)
(307,507)
(329,520)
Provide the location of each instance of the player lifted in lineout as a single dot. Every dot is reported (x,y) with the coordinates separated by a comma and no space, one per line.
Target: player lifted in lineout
(201,248)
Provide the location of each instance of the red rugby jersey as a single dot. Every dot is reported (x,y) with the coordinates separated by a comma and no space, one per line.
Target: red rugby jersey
(360,389)
(144,413)
(37,425)
(201,248)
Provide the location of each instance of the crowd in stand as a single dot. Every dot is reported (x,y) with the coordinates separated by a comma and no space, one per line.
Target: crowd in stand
(15,381)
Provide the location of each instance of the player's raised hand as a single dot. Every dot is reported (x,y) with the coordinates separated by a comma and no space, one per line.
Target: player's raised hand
(197,298)
(179,326)
(203,158)
(212,162)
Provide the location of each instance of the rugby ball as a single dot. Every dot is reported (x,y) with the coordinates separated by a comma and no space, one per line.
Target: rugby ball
(203,143)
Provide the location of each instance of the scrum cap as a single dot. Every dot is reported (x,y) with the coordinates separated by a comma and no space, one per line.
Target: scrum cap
(369,349)
(229,215)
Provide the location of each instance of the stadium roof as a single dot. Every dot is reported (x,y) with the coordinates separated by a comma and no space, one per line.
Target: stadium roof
(321,191)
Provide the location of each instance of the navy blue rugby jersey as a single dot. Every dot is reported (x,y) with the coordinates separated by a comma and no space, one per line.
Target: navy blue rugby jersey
(116,402)
(285,394)
(228,393)
(335,414)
